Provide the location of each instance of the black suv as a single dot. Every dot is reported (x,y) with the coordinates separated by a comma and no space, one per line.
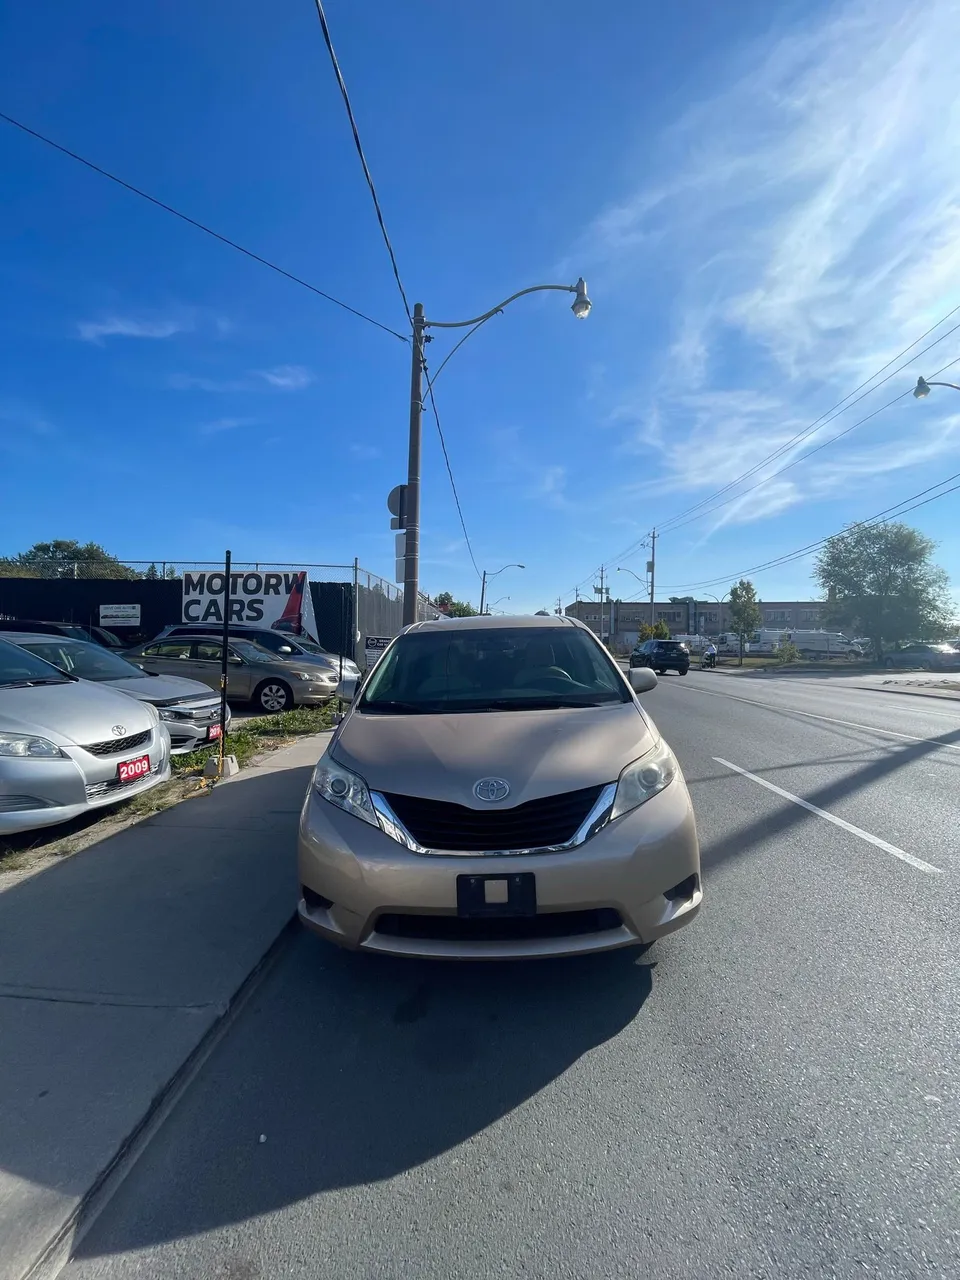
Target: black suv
(662,655)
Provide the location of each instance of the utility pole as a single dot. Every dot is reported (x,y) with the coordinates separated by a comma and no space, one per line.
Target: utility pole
(560,606)
(411,565)
(599,591)
(653,573)
(483,589)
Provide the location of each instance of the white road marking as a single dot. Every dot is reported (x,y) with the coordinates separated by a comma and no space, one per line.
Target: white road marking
(837,822)
(811,715)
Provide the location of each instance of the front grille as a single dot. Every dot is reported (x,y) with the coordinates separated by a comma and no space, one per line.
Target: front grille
(116,745)
(553,924)
(97,790)
(435,824)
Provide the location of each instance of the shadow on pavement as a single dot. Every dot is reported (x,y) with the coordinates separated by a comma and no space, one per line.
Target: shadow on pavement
(357,1068)
(766,828)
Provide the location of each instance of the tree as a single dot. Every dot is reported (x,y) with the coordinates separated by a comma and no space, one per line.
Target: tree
(65,559)
(152,574)
(454,608)
(880,582)
(744,613)
(659,631)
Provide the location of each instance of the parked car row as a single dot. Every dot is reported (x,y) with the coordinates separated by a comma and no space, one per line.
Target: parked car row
(83,724)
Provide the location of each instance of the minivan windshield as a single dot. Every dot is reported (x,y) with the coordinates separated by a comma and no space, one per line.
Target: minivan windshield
(502,669)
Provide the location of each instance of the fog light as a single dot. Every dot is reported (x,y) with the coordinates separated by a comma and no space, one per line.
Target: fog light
(682,891)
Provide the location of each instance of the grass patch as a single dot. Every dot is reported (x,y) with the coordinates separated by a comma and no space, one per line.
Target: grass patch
(263,734)
(29,849)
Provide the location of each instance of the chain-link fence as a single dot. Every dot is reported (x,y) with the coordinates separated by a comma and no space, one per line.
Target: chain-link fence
(346,607)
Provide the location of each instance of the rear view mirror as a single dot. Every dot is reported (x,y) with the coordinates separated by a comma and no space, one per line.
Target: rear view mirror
(347,688)
(642,679)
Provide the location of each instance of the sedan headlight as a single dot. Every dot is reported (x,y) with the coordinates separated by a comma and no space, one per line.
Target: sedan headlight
(301,675)
(346,790)
(24,746)
(644,778)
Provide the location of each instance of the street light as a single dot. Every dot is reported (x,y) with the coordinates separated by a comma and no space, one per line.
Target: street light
(922,389)
(496,602)
(642,581)
(411,512)
(485,578)
(721,601)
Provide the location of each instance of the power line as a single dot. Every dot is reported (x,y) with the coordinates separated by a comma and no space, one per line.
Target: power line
(881,517)
(694,512)
(200,226)
(808,454)
(840,407)
(363,159)
(453,483)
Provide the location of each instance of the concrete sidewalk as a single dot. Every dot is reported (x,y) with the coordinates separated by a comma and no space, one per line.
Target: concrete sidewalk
(114,966)
(919,684)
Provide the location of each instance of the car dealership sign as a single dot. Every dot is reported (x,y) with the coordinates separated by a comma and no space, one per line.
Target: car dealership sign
(281,601)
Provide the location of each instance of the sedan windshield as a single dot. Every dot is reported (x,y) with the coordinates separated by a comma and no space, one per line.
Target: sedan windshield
(88,661)
(18,667)
(503,669)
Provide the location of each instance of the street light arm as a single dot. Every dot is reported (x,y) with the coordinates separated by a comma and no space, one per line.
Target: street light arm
(503,570)
(536,288)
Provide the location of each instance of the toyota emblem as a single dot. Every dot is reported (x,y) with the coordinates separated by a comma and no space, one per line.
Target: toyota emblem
(119,730)
(491,789)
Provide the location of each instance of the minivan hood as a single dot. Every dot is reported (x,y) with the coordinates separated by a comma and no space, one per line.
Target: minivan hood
(539,753)
(80,712)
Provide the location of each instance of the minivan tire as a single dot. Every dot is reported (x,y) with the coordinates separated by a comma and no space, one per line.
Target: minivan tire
(273,696)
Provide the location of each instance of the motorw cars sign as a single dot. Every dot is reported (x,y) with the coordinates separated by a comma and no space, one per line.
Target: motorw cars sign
(281,601)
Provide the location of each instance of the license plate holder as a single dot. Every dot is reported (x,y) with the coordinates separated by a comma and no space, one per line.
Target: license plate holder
(133,770)
(473,896)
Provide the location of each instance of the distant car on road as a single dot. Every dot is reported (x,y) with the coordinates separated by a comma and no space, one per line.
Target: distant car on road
(928,657)
(189,709)
(662,655)
(253,674)
(285,646)
(67,746)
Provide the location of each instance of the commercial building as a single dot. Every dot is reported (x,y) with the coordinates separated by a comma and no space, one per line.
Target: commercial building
(621,619)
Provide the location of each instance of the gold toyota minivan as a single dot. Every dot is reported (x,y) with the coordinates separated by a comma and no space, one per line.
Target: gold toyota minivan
(496,791)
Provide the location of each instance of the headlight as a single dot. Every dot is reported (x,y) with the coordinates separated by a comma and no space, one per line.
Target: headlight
(301,675)
(24,746)
(344,789)
(644,778)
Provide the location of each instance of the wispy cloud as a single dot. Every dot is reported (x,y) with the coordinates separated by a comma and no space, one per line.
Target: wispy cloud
(225,424)
(287,377)
(365,452)
(806,222)
(127,327)
(190,382)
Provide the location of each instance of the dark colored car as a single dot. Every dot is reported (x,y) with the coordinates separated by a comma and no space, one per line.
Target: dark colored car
(662,655)
(928,657)
(74,630)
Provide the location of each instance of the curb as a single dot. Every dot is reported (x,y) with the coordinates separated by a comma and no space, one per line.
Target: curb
(56,1253)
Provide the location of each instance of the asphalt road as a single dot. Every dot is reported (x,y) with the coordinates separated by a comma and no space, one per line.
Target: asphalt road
(772,1092)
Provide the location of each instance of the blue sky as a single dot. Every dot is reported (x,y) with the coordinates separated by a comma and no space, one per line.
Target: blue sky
(765,201)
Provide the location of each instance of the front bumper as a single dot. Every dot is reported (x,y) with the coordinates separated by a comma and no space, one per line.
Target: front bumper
(357,883)
(41,793)
(193,732)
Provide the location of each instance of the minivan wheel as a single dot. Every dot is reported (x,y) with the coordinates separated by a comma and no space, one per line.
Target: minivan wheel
(273,696)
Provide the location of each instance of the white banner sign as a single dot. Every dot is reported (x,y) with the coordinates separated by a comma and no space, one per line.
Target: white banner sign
(281,601)
(119,615)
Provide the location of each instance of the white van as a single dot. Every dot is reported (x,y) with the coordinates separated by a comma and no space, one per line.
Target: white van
(824,644)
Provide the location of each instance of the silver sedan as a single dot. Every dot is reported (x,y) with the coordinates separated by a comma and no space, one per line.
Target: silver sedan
(190,709)
(68,746)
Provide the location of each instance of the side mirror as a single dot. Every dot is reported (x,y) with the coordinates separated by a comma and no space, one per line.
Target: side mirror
(642,679)
(284,648)
(347,688)
(234,661)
